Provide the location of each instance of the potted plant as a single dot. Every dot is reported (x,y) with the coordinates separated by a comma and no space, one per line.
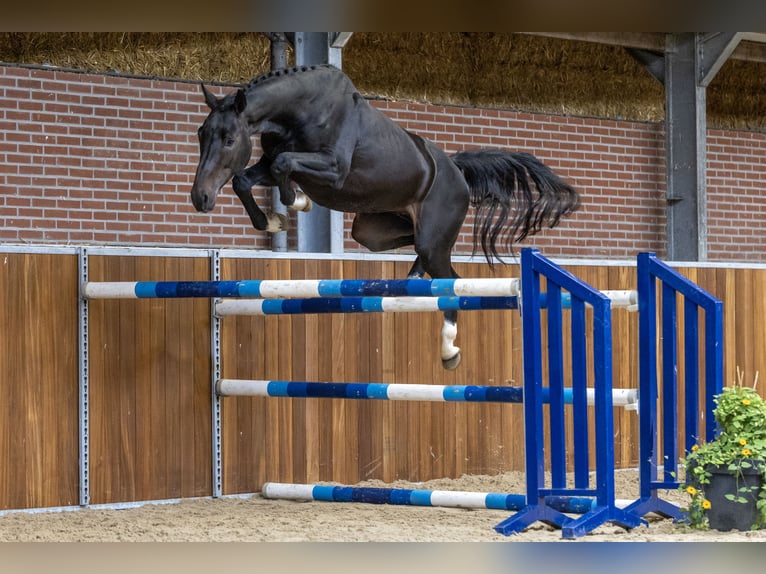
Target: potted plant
(726,477)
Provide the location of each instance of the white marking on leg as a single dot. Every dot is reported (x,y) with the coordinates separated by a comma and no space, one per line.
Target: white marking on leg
(302,202)
(276,223)
(449,334)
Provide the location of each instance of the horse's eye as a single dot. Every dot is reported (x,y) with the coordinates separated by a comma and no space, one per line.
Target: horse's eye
(229,142)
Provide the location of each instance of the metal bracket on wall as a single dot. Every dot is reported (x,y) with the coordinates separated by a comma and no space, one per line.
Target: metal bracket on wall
(215,368)
(83,381)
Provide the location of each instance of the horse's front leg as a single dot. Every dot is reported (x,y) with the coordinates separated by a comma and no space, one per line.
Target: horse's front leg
(243,183)
(323,168)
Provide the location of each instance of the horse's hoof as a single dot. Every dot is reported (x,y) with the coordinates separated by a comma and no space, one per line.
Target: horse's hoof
(277,223)
(302,202)
(451,363)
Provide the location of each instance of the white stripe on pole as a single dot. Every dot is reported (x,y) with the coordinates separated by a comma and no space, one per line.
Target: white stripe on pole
(242,388)
(288,491)
(486,287)
(626,299)
(297,288)
(229,307)
(401,392)
(407,304)
(459,499)
(117,290)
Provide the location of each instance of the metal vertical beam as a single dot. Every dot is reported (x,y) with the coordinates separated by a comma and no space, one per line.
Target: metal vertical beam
(320,230)
(686,122)
(691,62)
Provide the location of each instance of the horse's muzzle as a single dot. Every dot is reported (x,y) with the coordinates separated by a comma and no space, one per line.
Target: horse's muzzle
(203,202)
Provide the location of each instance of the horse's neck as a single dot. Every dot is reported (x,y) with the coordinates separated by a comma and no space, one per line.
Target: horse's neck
(290,97)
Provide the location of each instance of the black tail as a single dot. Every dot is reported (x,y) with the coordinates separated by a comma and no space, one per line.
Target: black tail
(514,194)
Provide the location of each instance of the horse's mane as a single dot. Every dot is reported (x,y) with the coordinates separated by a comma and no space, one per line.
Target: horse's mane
(281,72)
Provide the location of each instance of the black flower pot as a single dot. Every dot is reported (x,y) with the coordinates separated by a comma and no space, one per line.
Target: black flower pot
(727,514)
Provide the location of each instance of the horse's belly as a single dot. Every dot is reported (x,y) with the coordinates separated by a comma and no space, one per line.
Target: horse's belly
(364,196)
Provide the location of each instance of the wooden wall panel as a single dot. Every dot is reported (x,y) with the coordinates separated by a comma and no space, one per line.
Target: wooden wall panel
(38,381)
(149,386)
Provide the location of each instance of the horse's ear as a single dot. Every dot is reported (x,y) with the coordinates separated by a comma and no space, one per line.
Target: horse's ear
(240,101)
(210,99)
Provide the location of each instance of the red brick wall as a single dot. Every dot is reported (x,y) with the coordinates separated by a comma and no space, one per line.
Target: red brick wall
(736,179)
(88,158)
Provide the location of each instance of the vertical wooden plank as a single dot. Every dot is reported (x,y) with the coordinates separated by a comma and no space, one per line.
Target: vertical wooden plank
(38,381)
(744,322)
(43,333)
(170,381)
(391,346)
(201,362)
(7,384)
(150,397)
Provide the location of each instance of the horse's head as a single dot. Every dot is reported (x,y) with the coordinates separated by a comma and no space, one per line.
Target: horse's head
(224,147)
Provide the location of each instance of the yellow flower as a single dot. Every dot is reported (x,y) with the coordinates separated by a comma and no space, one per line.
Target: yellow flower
(742,442)
(695,447)
(746,452)
(745,402)
(691,490)
(705,504)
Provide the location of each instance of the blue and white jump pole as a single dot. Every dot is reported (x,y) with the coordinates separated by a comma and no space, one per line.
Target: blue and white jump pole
(419,497)
(304,288)
(627,398)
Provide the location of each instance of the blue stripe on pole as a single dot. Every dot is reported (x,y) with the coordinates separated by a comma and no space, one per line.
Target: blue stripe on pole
(277,389)
(452,303)
(271,306)
(357,391)
(326,493)
(475,303)
(454,393)
(401,496)
(371,304)
(371,495)
(377,391)
(178,289)
(146,289)
(570,504)
(420,497)
(375,287)
(251,288)
(343,494)
(496,501)
(442,287)
(495,394)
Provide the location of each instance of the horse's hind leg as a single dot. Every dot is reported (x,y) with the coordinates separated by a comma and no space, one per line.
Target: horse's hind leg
(382,231)
(440,219)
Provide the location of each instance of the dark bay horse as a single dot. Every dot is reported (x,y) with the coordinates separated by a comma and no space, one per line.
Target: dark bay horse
(323,142)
